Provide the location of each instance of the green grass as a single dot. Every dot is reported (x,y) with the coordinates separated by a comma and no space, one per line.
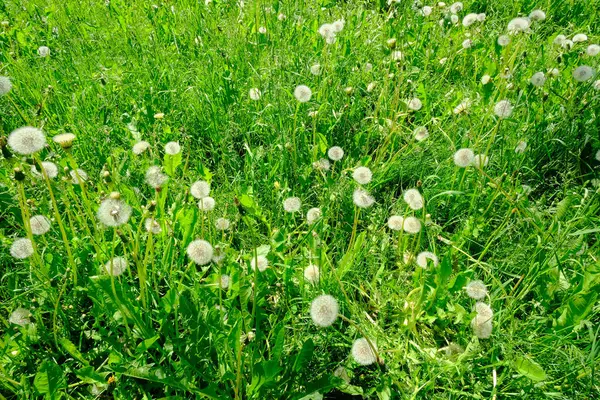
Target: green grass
(526,224)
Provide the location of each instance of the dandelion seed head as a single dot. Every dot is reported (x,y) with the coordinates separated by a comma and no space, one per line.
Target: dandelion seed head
(485,79)
(172,148)
(395,222)
(64,140)
(324,310)
(302,93)
(260,261)
(454,19)
(567,44)
(503,40)
(362,352)
(362,198)
(470,19)
(338,25)
(424,257)
(206,204)
(39,224)
(200,251)
(414,199)
(21,248)
(155,177)
(463,157)
(20,316)
(116,266)
(518,25)
(580,37)
(596,85)
(362,175)
(78,176)
(537,15)
(26,140)
(415,104)
(254,94)
(5,85)
(503,109)
(598,155)
(322,164)
(538,79)
(327,30)
(371,86)
(222,224)
(484,310)
(559,40)
(49,167)
(152,226)
(481,17)
(480,161)
(262,30)
(412,225)
(292,204)
(200,189)
(462,107)
(313,215)
(457,7)
(140,147)
(420,133)
(476,289)
(43,51)
(592,50)
(311,274)
(521,146)
(113,212)
(315,69)
(335,153)
(583,73)
(482,327)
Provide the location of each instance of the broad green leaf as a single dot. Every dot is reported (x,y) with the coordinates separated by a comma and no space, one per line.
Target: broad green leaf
(171,163)
(72,350)
(49,379)
(529,368)
(146,344)
(304,356)
(348,258)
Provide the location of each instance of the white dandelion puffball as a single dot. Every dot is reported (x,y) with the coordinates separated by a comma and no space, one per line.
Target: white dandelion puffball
(537,15)
(222,224)
(368,67)
(116,266)
(596,85)
(554,72)
(315,69)
(485,79)
(218,255)
(426,11)
(476,290)
(424,257)
(598,155)
(467,43)
(538,79)
(224,281)
(292,204)
(518,25)
(462,107)
(338,25)
(362,352)
(324,310)
(43,51)
(65,140)
(580,37)
(521,146)
(503,109)
(481,17)
(463,157)
(47,166)
(454,19)
(200,251)
(155,177)
(172,148)
(313,215)
(482,327)
(78,176)
(415,104)
(322,164)
(484,310)
(311,274)
(469,19)
(261,262)
(335,153)
(503,40)
(200,189)
(362,198)
(330,39)
(254,94)
(39,224)
(456,7)
(581,74)
(206,204)
(559,40)
(327,31)
(362,175)
(20,316)
(21,248)
(302,93)
(567,44)
(371,86)
(26,140)
(113,212)
(412,225)
(420,133)
(592,50)
(262,30)
(480,161)
(5,85)
(395,222)
(413,198)
(152,226)
(140,147)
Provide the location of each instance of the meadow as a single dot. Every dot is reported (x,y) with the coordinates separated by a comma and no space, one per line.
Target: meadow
(299,200)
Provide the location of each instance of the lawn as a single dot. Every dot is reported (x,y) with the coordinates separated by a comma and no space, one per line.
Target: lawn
(299,199)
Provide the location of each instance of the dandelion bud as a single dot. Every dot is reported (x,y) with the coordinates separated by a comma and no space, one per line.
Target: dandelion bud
(349,90)
(115,195)
(19,175)
(65,140)
(391,43)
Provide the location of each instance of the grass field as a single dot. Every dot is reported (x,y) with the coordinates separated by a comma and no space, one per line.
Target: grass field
(299,200)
